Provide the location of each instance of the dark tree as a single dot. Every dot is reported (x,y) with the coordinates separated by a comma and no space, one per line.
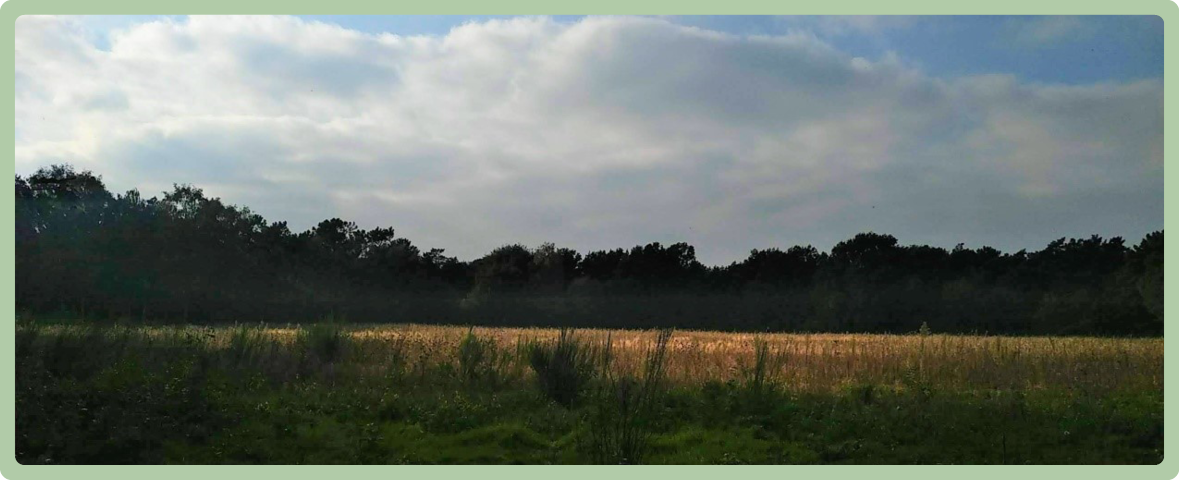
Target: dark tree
(185,257)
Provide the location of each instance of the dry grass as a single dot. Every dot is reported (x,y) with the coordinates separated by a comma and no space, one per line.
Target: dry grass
(805,363)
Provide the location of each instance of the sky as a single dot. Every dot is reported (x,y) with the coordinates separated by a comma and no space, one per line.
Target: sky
(729,133)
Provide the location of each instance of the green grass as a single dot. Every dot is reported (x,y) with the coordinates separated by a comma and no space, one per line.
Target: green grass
(87,395)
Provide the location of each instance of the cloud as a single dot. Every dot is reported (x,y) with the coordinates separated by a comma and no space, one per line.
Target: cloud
(838,25)
(606,132)
(1048,30)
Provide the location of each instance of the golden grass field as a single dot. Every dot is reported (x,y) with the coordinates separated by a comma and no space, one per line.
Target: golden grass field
(799,362)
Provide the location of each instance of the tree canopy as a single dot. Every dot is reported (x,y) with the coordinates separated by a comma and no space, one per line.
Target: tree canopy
(186,257)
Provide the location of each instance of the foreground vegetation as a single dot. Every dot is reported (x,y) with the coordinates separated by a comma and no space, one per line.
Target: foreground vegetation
(326,393)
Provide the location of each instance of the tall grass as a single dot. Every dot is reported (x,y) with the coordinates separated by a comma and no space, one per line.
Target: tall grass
(761,377)
(818,363)
(398,358)
(245,346)
(605,393)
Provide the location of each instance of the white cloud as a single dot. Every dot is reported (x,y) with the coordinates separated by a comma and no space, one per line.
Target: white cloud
(603,133)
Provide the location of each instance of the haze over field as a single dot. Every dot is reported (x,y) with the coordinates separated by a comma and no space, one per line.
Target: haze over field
(593,133)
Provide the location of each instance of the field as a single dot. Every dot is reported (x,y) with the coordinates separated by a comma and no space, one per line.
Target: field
(326,393)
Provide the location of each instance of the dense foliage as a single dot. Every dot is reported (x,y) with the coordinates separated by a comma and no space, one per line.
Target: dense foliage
(84,251)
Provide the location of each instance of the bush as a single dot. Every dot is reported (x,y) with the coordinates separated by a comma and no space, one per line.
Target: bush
(563,369)
(323,342)
(620,425)
(477,358)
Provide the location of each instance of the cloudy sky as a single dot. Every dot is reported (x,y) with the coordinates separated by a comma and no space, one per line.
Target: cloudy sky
(729,133)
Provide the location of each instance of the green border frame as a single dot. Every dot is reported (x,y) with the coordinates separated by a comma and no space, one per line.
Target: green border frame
(1168,10)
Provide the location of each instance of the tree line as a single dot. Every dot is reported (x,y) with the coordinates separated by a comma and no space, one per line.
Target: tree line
(84,252)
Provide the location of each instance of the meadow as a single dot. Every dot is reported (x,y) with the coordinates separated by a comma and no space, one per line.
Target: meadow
(389,394)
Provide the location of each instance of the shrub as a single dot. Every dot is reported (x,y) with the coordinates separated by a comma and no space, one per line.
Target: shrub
(924,330)
(620,425)
(323,342)
(477,358)
(563,369)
